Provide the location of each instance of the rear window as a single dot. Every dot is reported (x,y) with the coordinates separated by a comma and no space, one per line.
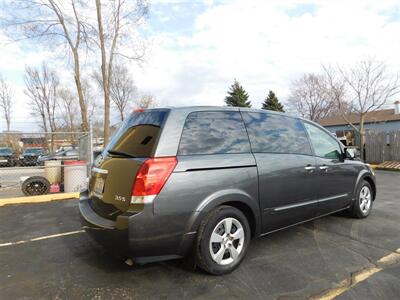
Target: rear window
(270,133)
(138,135)
(214,133)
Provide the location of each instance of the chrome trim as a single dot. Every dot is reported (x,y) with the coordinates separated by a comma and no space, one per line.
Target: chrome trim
(100,171)
(305,221)
(280,208)
(333,197)
(294,205)
(309,168)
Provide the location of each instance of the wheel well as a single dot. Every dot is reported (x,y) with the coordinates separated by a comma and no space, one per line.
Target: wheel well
(246,210)
(372,184)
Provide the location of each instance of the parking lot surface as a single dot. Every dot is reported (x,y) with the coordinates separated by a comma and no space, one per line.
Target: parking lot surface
(297,263)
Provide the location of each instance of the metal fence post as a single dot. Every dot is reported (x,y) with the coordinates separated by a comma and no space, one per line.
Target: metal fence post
(90,147)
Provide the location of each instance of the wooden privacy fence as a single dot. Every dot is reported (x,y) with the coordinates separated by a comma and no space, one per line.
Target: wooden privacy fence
(382,146)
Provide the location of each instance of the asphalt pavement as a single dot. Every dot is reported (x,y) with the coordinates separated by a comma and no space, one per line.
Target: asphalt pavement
(44,255)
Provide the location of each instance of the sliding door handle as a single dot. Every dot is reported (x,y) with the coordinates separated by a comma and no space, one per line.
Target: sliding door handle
(309,168)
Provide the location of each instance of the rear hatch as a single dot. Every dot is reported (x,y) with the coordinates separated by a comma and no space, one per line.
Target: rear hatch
(114,171)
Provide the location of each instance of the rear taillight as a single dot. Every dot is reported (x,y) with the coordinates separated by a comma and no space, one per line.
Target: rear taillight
(152,175)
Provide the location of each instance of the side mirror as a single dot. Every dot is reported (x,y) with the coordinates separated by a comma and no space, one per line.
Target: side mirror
(350,153)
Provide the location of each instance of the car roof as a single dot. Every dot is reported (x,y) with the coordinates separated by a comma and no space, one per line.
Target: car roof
(189,109)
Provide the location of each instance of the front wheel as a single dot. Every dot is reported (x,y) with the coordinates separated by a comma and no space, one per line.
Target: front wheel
(222,241)
(363,204)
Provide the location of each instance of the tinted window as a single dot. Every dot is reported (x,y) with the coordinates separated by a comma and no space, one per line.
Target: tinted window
(276,133)
(324,144)
(139,133)
(214,133)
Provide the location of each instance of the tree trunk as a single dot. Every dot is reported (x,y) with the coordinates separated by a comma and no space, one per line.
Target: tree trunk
(104,74)
(82,102)
(362,137)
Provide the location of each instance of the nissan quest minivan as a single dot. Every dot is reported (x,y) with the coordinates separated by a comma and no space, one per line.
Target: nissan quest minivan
(204,181)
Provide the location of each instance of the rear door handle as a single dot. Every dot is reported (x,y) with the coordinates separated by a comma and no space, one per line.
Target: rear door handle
(309,168)
(323,168)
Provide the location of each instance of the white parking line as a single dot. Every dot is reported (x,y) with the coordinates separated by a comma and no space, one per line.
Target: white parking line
(41,238)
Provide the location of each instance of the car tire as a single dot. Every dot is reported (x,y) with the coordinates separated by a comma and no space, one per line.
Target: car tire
(228,250)
(35,185)
(362,205)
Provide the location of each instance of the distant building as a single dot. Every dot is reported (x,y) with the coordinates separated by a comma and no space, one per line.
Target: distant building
(378,121)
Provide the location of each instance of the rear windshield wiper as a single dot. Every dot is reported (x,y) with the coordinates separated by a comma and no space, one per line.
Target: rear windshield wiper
(120,153)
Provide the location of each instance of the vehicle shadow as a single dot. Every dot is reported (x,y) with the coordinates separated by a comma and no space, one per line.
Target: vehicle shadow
(91,253)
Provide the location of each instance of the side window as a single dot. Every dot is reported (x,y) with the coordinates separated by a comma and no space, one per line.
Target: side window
(270,133)
(213,133)
(324,144)
(71,153)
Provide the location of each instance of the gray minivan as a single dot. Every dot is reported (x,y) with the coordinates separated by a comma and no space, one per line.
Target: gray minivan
(204,181)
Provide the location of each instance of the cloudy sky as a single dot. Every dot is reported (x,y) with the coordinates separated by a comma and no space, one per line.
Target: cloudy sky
(197,48)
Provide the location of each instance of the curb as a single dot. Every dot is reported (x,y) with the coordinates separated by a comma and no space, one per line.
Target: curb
(38,199)
(387,169)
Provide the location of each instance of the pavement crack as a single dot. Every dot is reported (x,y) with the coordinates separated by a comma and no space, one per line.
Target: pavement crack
(363,255)
(350,238)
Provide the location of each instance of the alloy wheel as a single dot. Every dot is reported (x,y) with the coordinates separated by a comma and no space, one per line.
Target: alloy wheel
(365,199)
(226,242)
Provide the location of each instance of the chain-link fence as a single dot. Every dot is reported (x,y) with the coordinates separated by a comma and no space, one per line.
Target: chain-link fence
(44,163)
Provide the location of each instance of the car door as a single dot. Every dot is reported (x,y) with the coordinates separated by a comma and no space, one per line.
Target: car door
(335,178)
(286,169)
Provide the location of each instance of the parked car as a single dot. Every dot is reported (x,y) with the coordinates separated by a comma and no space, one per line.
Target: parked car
(70,154)
(7,157)
(29,156)
(204,181)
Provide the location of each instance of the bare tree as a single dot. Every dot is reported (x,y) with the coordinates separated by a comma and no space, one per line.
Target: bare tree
(309,97)
(69,109)
(53,22)
(369,85)
(122,89)
(146,101)
(6,103)
(115,22)
(41,86)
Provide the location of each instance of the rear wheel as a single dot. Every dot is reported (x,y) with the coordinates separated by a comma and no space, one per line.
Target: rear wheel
(223,240)
(363,204)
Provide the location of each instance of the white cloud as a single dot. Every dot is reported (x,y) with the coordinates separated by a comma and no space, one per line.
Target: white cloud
(264,44)
(265,47)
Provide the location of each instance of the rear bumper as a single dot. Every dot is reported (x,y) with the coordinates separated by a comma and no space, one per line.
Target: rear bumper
(102,230)
(141,236)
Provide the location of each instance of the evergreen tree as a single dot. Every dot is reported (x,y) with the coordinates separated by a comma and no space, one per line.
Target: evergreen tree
(237,96)
(272,103)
